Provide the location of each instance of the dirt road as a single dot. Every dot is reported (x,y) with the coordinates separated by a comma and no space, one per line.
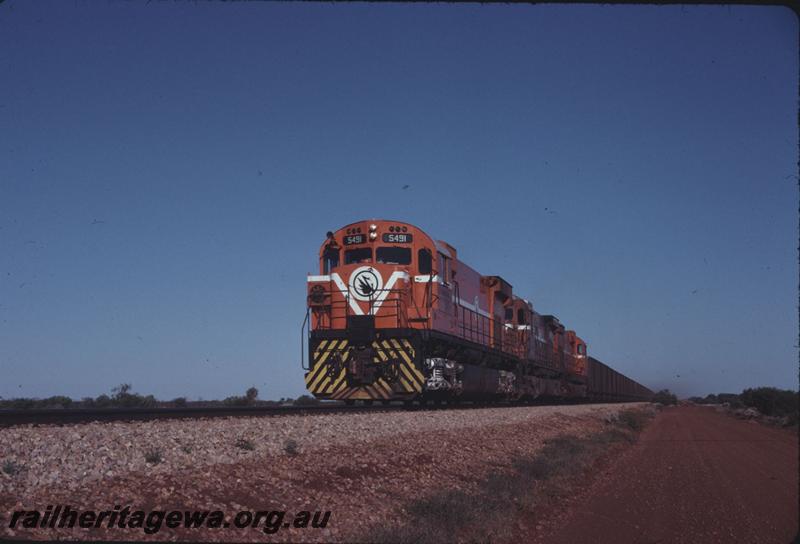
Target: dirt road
(695,476)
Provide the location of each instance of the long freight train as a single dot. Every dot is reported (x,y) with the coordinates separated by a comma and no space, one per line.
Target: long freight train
(395,315)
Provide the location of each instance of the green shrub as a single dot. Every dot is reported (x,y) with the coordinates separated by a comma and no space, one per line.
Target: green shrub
(771,401)
(482,516)
(251,395)
(11,467)
(56,401)
(245,444)
(235,401)
(290,447)
(153,456)
(124,398)
(733,400)
(665,397)
(635,420)
(103,401)
(305,400)
(558,457)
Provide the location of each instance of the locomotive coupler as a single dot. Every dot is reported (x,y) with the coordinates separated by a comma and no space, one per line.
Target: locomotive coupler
(361,370)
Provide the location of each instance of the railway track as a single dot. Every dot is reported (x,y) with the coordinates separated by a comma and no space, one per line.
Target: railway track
(84,415)
(65,416)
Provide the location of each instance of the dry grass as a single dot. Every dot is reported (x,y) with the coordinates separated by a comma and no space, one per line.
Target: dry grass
(153,456)
(490,514)
(245,444)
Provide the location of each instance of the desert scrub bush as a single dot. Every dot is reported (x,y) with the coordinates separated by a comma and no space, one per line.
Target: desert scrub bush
(11,467)
(305,400)
(482,515)
(558,456)
(441,516)
(57,401)
(771,401)
(291,448)
(20,404)
(634,420)
(251,395)
(611,435)
(249,398)
(245,444)
(153,456)
(102,401)
(124,398)
(665,397)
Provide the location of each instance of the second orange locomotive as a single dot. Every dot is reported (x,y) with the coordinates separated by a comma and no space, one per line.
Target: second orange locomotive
(395,315)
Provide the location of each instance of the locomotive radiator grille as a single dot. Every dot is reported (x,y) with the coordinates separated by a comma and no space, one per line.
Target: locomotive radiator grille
(399,377)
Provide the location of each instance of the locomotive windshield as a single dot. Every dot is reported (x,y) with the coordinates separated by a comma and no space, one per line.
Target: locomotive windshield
(425,261)
(393,255)
(358,255)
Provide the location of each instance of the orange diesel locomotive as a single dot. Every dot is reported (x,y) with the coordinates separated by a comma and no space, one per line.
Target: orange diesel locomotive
(395,315)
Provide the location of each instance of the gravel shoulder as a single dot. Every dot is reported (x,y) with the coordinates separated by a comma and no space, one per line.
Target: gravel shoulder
(359,466)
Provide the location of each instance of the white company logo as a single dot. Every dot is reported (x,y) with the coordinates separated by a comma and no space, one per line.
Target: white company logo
(365,283)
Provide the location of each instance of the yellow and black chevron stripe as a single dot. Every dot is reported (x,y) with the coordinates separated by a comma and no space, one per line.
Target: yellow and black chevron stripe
(327,378)
(321,380)
(409,379)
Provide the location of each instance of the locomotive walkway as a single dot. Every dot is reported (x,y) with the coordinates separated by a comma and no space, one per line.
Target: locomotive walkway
(695,476)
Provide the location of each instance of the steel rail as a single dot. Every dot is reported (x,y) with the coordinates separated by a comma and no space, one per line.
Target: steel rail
(66,416)
(85,415)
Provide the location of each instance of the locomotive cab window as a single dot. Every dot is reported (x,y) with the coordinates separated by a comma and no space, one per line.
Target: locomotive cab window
(358,255)
(393,255)
(509,314)
(425,261)
(521,317)
(444,269)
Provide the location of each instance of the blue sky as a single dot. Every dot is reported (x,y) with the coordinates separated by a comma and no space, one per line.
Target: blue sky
(168,171)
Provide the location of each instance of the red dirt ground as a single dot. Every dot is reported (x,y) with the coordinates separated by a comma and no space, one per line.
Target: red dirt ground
(695,475)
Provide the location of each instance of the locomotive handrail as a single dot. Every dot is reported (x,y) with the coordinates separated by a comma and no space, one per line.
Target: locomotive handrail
(303,339)
(393,305)
(479,325)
